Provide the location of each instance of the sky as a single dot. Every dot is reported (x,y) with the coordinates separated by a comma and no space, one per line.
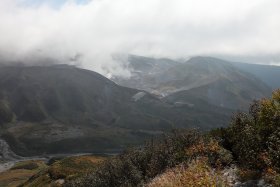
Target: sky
(88,33)
(52,3)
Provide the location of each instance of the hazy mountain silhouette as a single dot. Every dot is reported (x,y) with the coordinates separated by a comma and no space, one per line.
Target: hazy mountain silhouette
(62,108)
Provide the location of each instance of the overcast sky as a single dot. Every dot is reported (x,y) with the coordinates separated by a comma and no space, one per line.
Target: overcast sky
(90,31)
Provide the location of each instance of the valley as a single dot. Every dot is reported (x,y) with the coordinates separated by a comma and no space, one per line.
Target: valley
(63,109)
(131,93)
(70,115)
(9,159)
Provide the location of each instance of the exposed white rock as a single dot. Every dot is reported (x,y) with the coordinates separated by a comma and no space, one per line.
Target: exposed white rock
(181,103)
(60,181)
(6,154)
(138,96)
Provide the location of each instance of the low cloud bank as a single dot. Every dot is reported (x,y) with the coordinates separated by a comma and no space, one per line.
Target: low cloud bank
(89,34)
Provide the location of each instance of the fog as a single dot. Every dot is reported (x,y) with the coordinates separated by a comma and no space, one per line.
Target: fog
(88,34)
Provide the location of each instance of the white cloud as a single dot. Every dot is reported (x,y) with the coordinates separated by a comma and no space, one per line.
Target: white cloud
(169,28)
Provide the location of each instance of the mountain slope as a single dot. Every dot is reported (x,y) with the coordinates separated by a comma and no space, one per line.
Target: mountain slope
(215,81)
(60,109)
(55,106)
(144,71)
(267,73)
(212,80)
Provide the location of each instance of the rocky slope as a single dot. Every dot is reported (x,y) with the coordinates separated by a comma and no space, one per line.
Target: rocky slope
(200,79)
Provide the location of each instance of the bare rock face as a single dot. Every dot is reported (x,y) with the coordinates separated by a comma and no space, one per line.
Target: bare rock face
(203,79)
(6,154)
(230,174)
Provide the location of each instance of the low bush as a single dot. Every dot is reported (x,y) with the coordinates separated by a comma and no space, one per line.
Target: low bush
(136,166)
(273,144)
(254,139)
(73,166)
(197,173)
(216,155)
(28,165)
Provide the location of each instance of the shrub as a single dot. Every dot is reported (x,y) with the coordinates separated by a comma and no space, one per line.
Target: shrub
(254,138)
(269,115)
(54,159)
(73,166)
(246,142)
(271,177)
(274,149)
(216,155)
(136,166)
(245,174)
(196,173)
(28,165)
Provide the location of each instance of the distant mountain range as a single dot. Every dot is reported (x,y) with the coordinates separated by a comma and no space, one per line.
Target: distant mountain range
(62,109)
(214,81)
(267,73)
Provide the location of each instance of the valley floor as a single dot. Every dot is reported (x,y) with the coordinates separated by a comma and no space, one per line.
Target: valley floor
(46,172)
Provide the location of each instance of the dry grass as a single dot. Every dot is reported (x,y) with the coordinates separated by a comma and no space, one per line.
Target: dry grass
(15,177)
(196,174)
(73,166)
(47,175)
(90,158)
(63,170)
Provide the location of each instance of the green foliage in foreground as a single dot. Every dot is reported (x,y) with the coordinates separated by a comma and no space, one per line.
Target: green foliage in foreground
(252,142)
(136,166)
(254,138)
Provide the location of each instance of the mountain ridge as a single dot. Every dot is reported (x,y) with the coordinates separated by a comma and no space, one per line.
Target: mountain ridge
(199,72)
(62,109)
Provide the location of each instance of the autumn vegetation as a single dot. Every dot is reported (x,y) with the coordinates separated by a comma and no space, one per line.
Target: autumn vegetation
(191,158)
(254,138)
(183,157)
